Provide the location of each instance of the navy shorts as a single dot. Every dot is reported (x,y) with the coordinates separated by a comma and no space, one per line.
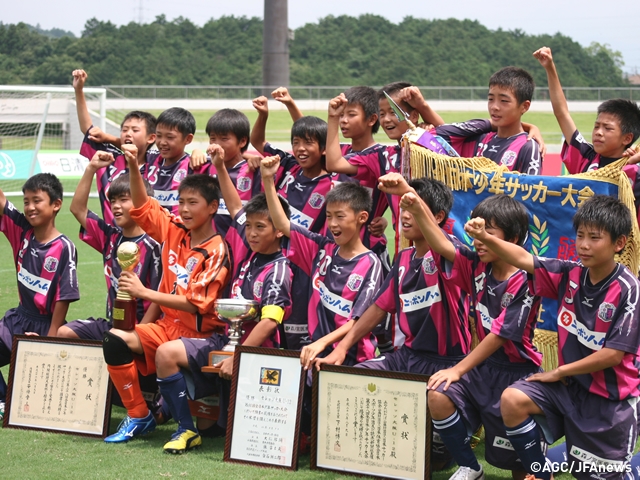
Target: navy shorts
(408,360)
(90,329)
(477,398)
(598,431)
(199,383)
(18,321)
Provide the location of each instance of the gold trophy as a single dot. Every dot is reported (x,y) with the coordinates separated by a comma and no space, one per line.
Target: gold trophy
(234,312)
(124,315)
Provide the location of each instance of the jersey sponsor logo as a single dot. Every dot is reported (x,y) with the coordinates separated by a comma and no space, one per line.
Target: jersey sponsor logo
(222,208)
(300,329)
(316,200)
(33,282)
(112,278)
(331,301)
(502,442)
(606,311)
(257,289)
(182,276)
(423,298)
(299,218)
(509,158)
(429,265)
(191,264)
(180,175)
(485,318)
(243,184)
(592,459)
(167,198)
(506,300)
(50,264)
(567,320)
(354,282)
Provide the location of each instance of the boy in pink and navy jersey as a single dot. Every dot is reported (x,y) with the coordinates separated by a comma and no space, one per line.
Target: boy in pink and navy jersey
(45,264)
(464,396)
(106,239)
(616,128)
(138,128)
(591,397)
(344,274)
(502,138)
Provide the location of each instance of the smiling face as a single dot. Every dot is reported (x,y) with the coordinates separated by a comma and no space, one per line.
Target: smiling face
(134,131)
(120,207)
(171,142)
(39,209)
(343,223)
(194,210)
(486,255)
(261,234)
(389,122)
(607,136)
(308,154)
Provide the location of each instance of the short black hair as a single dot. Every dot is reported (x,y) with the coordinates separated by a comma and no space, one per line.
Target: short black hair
(149,120)
(505,213)
(122,186)
(367,98)
(353,194)
(48,183)
(393,88)
(207,186)
(258,206)
(310,128)
(230,120)
(606,213)
(628,114)
(518,80)
(435,194)
(178,118)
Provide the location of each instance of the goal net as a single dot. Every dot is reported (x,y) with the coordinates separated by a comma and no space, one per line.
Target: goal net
(39,132)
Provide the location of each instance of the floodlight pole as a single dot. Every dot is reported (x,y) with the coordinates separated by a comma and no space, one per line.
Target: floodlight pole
(275,45)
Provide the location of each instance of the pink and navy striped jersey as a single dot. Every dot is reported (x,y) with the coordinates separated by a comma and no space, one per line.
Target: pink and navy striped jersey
(433,314)
(264,278)
(46,273)
(306,196)
(579,157)
(516,152)
(106,239)
(105,176)
(341,289)
(247,184)
(591,317)
(505,308)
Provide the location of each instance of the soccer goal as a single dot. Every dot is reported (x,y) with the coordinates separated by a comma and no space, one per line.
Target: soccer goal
(39,129)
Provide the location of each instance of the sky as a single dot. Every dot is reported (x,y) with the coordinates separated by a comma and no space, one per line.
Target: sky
(614,22)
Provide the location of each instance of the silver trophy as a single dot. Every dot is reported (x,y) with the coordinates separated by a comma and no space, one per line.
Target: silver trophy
(234,312)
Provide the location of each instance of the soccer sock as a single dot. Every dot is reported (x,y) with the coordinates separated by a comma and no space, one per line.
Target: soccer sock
(454,434)
(125,379)
(525,440)
(174,392)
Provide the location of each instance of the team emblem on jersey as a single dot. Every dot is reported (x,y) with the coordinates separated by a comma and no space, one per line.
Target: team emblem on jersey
(355,282)
(506,300)
(50,264)
(191,264)
(180,175)
(316,200)
(429,265)
(509,158)
(605,312)
(244,184)
(257,289)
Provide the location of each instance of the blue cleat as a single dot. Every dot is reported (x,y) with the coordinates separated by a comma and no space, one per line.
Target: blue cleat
(132,427)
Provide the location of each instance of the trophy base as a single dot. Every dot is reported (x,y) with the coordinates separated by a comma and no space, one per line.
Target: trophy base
(216,356)
(124,316)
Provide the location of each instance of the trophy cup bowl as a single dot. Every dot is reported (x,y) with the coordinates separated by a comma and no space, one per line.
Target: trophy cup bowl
(234,312)
(124,313)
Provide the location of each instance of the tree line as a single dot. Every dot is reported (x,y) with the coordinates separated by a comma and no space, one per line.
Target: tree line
(341,50)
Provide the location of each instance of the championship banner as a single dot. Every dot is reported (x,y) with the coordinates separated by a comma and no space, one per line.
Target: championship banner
(551,202)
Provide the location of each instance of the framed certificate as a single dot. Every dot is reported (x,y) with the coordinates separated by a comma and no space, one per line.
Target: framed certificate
(263,426)
(59,385)
(371,422)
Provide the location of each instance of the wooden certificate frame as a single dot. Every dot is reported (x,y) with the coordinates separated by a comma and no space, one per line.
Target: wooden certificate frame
(58,385)
(263,426)
(371,422)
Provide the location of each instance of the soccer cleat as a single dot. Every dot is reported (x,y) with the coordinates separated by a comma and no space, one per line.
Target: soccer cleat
(466,473)
(132,427)
(181,441)
(1,411)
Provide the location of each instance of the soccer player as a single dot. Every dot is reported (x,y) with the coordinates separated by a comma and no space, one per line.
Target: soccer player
(45,263)
(591,397)
(466,395)
(195,265)
(106,239)
(138,128)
